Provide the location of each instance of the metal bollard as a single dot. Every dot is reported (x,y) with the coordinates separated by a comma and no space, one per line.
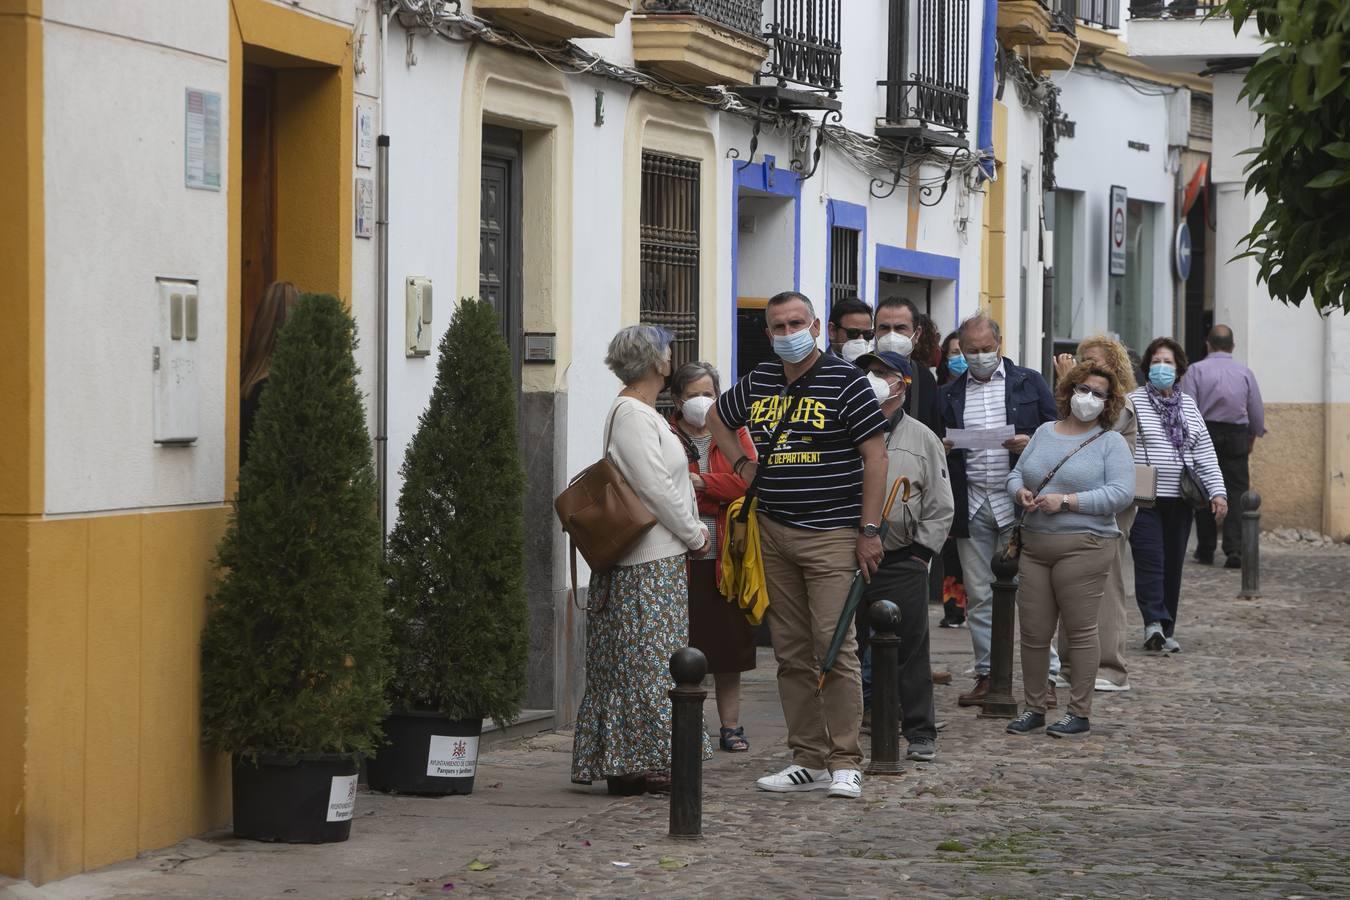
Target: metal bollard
(687,666)
(884,617)
(999,703)
(1251,544)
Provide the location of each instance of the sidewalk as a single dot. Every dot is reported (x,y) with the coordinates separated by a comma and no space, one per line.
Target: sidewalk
(1225,771)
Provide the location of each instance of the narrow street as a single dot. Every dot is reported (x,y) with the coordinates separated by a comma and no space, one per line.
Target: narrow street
(1223,772)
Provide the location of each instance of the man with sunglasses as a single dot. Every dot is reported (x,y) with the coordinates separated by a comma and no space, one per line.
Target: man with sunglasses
(850,329)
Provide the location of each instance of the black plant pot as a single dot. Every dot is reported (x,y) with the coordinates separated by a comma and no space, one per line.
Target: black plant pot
(426,753)
(295,800)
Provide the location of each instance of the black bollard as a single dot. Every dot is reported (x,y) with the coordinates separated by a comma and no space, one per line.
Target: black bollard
(1251,544)
(884,617)
(687,666)
(999,702)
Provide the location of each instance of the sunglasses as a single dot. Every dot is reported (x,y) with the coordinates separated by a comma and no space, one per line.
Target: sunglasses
(1084,389)
(855,333)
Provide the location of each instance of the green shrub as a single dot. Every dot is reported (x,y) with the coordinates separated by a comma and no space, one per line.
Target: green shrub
(294,654)
(456,556)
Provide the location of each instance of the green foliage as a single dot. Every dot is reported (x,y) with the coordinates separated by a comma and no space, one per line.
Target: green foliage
(294,654)
(456,556)
(1299,89)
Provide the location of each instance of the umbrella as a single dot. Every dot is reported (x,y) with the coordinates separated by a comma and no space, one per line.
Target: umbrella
(855,591)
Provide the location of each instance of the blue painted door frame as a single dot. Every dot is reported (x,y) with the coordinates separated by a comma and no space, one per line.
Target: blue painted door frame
(768,179)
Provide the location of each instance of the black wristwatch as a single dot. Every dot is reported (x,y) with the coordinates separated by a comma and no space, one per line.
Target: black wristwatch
(871,530)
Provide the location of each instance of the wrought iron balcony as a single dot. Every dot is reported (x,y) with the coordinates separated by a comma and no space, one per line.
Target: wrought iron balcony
(1063,15)
(745,16)
(1173,9)
(1099,13)
(804,45)
(927,93)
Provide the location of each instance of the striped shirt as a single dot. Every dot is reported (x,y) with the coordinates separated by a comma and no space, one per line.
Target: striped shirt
(813,477)
(987,470)
(1153,447)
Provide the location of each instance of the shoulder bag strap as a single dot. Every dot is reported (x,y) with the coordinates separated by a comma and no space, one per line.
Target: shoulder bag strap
(1060,464)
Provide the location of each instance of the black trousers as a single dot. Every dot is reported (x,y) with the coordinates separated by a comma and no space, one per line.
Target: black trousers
(904,582)
(1230,444)
(1158,543)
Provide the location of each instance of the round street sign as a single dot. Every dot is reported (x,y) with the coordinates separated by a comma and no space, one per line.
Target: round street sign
(1181,251)
(1118,229)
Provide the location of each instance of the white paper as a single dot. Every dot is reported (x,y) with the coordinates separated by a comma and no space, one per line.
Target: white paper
(452,757)
(365,207)
(342,798)
(201,141)
(980,438)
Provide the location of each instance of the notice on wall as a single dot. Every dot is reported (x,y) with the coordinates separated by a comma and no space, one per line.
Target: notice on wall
(452,757)
(1116,229)
(365,207)
(365,135)
(201,140)
(342,798)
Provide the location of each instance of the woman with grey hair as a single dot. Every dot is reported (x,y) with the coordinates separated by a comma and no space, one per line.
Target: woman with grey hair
(639,609)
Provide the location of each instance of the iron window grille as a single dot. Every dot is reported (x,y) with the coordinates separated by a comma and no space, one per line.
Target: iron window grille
(670,251)
(745,16)
(1174,9)
(804,46)
(1101,13)
(927,71)
(843,263)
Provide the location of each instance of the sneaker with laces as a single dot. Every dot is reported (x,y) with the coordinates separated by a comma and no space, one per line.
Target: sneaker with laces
(1070,726)
(1027,723)
(795,778)
(1170,645)
(1153,637)
(921,750)
(846,783)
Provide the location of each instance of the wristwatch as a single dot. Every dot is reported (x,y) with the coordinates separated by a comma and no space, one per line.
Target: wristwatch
(870,530)
(1063,502)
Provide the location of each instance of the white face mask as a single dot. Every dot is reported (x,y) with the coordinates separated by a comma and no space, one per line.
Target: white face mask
(851,350)
(695,410)
(894,342)
(982,365)
(880,386)
(1086,407)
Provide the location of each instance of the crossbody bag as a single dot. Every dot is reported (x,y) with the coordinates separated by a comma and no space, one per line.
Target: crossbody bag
(1014,551)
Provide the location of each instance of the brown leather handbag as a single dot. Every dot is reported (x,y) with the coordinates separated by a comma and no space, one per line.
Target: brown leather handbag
(602,515)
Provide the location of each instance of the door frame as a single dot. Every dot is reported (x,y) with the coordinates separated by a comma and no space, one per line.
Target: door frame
(505,145)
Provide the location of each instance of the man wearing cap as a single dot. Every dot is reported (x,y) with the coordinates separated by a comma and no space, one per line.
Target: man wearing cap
(915,532)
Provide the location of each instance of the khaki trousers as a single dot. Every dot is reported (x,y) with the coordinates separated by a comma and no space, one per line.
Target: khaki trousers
(1061,576)
(809,574)
(1113,617)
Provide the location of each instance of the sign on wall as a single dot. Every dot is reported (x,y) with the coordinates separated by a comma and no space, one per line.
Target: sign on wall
(365,207)
(201,140)
(1116,229)
(1181,251)
(365,136)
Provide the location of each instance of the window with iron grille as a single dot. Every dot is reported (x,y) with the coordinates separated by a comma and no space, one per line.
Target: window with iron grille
(926,84)
(843,263)
(669,250)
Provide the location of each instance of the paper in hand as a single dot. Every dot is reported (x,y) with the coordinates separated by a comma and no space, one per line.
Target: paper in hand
(980,438)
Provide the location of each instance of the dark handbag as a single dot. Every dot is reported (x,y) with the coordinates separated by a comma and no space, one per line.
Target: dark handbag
(602,515)
(1013,551)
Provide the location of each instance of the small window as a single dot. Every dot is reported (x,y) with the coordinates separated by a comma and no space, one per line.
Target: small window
(844,281)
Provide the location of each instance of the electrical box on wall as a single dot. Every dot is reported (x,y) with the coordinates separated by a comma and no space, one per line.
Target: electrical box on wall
(175,359)
(418,317)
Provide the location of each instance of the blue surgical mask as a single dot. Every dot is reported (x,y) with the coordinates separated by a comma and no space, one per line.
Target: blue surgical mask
(1162,375)
(956,365)
(795,347)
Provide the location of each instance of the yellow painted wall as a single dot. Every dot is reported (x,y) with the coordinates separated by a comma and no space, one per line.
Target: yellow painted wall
(993,266)
(1289,466)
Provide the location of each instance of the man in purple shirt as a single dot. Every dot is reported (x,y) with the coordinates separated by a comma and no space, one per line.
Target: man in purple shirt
(1230,402)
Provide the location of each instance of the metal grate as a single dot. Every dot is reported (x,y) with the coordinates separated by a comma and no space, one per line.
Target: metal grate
(1063,16)
(670,250)
(745,16)
(1202,117)
(843,263)
(804,42)
(933,92)
(1102,13)
(1174,9)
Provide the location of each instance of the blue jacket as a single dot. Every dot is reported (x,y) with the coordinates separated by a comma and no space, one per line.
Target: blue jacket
(1029,404)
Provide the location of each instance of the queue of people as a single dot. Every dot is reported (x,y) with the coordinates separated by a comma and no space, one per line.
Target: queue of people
(810,445)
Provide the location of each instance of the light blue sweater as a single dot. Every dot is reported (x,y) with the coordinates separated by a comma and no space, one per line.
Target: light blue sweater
(1101,474)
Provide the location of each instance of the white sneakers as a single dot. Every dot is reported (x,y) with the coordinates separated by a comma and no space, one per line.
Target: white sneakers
(1106,685)
(845,783)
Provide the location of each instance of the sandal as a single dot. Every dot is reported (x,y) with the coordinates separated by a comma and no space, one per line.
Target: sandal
(733,740)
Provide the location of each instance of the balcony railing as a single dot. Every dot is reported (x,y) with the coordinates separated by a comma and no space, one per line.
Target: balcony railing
(929,91)
(1101,13)
(1173,9)
(745,16)
(1063,15)
(804,41)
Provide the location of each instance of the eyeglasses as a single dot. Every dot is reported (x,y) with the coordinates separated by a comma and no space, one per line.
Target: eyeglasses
(855,333)
(1084,389)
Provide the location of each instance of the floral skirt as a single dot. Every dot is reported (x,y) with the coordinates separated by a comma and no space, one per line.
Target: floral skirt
(623,725)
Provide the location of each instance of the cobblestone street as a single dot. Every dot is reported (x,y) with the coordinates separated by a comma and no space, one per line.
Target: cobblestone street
(1223,772)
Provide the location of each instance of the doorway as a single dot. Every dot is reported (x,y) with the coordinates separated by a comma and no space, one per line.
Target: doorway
(258,213)
(500,270)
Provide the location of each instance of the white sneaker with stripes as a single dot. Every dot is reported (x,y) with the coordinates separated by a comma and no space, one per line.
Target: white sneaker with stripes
(795,778)
(846,783)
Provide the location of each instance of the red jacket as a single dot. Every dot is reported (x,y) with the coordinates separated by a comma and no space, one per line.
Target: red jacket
(721,485)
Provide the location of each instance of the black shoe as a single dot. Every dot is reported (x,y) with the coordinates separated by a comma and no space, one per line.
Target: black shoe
(1233,562)
(1204,559)
(1070,726)
(1027,723)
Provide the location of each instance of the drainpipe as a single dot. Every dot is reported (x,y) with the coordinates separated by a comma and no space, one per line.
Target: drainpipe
(382,336)
(988,51)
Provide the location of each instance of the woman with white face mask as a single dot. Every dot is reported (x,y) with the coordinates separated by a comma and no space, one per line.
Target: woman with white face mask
(1069,483)
(716,626)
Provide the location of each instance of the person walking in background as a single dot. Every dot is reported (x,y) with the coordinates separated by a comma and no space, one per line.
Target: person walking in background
(927,349)
(1172,438)
(992,393)
(1072,480)
(818,430)
(639,613)
(1229,400)
(277,302)
(898,331)
(850,329)
(717,627)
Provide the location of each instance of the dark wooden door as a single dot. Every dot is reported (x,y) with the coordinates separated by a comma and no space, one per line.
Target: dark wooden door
(499,254)
(257,263)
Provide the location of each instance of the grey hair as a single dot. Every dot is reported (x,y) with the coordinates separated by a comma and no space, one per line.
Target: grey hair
(636,350)
(788,296)
(980,318)
(690,372)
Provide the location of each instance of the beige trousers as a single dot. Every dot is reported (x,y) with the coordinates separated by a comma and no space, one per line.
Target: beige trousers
(1061,576)
(809,574)
(1113,617)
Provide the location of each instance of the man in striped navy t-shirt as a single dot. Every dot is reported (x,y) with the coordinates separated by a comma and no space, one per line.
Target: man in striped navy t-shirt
(819,515)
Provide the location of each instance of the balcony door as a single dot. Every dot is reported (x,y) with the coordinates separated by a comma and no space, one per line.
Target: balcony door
(499,235)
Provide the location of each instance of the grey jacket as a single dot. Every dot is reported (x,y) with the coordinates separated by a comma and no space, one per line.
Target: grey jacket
(924,508)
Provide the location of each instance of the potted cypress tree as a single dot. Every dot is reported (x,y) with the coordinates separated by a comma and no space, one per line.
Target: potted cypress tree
(455,568)
(294,653)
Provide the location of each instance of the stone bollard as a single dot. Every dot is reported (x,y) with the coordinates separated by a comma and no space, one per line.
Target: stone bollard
(687,666)
(884,617)
(1251,544)
(999,702)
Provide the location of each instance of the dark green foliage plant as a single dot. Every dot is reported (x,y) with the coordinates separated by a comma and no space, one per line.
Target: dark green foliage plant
(295,650)
(456,556)
(1299,89)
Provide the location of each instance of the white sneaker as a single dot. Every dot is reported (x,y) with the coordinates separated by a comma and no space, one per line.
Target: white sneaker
(1061,681)
(1109,686)
(795,778)
(1170,645)
(846,783)
(1153,637)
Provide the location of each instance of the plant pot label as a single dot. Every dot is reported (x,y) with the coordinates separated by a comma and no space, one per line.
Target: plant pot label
(452,757)
(342,798)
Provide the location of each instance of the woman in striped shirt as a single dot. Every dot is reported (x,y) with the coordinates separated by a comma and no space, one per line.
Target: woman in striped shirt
(1172,435)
